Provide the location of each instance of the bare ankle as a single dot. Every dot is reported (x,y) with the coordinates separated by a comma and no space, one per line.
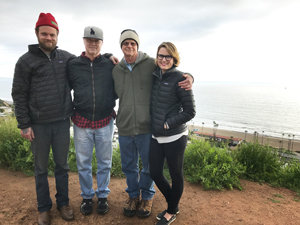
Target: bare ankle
(168,216)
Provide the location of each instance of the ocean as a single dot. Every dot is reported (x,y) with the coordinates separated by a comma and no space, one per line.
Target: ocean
(270,108)
(5,89)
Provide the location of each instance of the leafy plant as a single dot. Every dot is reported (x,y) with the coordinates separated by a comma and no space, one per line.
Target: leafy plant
(116,169)
(213,167)
(290,175)
(15,152)
(262,162)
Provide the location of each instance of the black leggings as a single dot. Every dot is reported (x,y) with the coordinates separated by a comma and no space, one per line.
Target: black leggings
(173,152)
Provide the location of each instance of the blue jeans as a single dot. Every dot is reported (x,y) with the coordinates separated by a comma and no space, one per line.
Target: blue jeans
(85,139)
(131,148)
(57,135)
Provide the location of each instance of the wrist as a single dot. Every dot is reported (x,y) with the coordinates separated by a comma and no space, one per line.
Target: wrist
(166,125)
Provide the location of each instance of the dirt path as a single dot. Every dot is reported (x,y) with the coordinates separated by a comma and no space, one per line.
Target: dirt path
(254,205)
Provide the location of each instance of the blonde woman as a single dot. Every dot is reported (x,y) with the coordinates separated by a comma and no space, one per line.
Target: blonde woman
(171,108)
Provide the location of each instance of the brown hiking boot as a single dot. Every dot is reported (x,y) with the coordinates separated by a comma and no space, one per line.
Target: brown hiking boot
(145,207)
(44,218)
(66,212)
(131,206)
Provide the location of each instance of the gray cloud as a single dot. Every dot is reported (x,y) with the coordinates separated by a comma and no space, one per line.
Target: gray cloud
(154,20)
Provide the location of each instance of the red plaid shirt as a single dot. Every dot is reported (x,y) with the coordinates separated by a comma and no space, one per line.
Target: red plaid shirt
(82,122)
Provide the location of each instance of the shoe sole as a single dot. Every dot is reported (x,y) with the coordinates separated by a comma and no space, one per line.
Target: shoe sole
(85,213)
(129,214)
(102,212)
(143,215)
(171,221)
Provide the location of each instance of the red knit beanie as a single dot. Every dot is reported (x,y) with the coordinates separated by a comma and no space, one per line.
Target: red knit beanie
(46,20)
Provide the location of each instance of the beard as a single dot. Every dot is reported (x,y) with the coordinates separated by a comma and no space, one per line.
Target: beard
(47,46)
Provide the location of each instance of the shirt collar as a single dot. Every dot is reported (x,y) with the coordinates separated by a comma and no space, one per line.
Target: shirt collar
(84,56)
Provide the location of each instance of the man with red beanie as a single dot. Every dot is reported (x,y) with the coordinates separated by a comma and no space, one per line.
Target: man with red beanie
(43,106)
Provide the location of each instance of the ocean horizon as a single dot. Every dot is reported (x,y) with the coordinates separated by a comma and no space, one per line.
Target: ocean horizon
(271,109)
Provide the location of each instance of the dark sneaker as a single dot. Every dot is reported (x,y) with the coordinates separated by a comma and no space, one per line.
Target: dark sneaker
(164,221)
(86,207)
(131,206)
(145,207)
(161,215)
(102,207)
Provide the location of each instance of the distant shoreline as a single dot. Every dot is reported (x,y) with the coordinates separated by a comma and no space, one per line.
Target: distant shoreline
(265,139)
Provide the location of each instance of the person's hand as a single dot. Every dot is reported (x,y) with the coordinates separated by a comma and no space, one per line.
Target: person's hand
(27,133)
(187,84)
(114,59)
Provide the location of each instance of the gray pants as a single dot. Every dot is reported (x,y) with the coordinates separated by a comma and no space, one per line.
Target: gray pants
(57,135)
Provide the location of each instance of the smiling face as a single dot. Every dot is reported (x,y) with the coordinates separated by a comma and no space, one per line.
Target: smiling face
(129,48)
(92,47)
(164,59)
(47,38)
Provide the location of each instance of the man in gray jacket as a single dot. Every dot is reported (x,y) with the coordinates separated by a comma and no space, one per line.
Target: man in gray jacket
(133,83)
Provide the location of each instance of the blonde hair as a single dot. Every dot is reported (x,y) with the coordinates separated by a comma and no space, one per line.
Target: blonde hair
(171,48)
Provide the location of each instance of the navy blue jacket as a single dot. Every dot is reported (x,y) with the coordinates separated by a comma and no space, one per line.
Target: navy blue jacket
(93,86)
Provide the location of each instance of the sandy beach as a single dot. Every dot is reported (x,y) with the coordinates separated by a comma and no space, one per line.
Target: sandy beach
(272,141)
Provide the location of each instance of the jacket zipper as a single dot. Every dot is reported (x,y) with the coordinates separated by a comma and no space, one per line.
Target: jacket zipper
(134,106)
(158,87)
(93,84)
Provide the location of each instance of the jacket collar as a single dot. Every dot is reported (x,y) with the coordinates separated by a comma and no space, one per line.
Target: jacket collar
(159,74)
(140,58)
(84,56)
(36,49)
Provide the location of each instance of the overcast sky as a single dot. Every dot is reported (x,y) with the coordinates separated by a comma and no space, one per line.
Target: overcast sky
(218,40)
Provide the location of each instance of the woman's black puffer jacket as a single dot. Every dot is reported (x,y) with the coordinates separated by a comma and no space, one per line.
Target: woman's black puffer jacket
(170,103)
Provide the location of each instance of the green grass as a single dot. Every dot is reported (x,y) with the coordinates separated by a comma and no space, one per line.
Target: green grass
(278,196)
(274,200)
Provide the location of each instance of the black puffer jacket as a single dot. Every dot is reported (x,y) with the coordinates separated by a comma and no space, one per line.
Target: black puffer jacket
(170,103)
(93,87)
(40,91)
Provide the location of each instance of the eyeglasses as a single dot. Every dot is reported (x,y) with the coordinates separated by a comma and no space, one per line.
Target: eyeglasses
(91,41)
(167,57)
(133,44)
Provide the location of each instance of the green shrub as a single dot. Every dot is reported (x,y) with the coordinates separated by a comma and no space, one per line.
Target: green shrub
(15,151)
(290,175)
(116,169)
(263,162)
(72,156)
(213,167)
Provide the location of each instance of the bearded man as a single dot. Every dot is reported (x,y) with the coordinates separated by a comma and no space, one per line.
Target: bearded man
(43,106)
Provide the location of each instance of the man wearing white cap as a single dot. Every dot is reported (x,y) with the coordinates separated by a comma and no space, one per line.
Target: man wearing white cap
(133,84)
(90,76)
